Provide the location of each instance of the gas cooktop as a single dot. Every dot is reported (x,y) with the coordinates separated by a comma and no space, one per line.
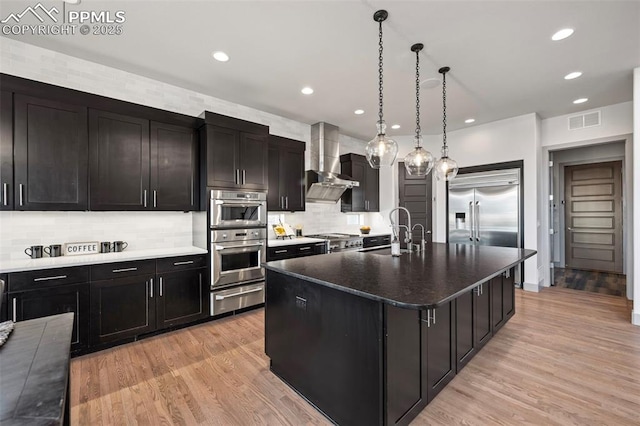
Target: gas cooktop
(340,242)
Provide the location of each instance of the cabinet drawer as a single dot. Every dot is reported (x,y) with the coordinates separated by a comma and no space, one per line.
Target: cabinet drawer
(279,253)
(380,240)
(30,280)
(109,271)
(171,264)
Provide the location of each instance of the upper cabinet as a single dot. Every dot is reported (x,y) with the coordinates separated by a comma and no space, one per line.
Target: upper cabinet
(50,154)
(286,175)
(6,150)
(366,197)
(174,167)
(234,153)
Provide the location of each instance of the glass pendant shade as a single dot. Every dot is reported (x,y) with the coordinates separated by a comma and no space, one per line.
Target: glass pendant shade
(418,162)
(381,150)
(445,168)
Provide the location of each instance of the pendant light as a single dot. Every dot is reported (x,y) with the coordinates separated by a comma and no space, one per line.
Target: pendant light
(445,168)
(418,162)
(381,150)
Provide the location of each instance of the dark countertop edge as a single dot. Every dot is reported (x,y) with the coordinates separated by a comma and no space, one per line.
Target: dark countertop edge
(394,302)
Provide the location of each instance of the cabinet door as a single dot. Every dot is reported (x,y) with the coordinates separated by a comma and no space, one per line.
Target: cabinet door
(182,297)
(253,161)
(358,173)
(6,150)
(173,167)
(275,201)
(372,189)
(26,305)
(465,332)
(122,308)
(508,294)
(119,149)
(482,300)
(50,155)
(440,351)
(223,161)
(497,310)
(292,179)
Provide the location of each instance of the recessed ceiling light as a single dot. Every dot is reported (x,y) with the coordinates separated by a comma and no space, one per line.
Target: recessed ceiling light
(220,56)
(307,90)
(395,126)
(358,112)
(469,120)
(580,101)
(562,34)
(572,75)
(430,83)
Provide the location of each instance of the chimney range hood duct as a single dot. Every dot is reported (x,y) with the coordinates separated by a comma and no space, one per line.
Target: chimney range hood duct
(325,184)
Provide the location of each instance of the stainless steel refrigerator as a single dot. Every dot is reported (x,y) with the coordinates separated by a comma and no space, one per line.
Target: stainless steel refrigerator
(484,209)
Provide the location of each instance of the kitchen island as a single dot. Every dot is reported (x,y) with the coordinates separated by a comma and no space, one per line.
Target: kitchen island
(370,339)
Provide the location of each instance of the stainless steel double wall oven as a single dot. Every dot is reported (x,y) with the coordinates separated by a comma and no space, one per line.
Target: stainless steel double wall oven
(238,247)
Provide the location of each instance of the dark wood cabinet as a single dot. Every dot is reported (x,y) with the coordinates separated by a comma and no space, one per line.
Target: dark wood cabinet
(482,312)
(295,250)
(286,175)
(465,330)
(6,150)
(502,299)
(234,158)
(439,347)
(41,293)
(173,168)
(119,152)
(366,197)
(50,155)
(378,240)
(182,297)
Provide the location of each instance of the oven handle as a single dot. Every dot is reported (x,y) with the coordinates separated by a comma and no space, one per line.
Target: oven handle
(240,203)
(220,248)
(240,293)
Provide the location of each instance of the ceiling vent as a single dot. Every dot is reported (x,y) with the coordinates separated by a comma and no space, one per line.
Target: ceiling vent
(581,121)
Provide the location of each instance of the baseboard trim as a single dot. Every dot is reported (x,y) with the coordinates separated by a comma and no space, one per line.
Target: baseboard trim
(531,287)
(635,317)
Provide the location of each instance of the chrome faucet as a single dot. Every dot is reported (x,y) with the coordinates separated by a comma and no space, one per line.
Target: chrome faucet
(407,238)
(423,243)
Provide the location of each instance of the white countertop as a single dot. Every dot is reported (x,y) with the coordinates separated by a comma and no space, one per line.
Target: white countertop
(292,241)
(92,259)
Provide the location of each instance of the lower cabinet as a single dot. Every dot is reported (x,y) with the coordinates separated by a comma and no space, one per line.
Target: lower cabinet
(182,297)
(295,250)
(438,331)
(502,299)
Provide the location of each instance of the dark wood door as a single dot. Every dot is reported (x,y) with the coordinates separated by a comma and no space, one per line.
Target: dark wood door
(174,170)
(372,189)
(483,312)
(223,157)
(253,161)
(440,349)
(353,200)
(415,195)
(122,308)
(52,301)
(181,297)
(6,150)
(292,180)
(465,330)
(593,216)
(119,149)
(275,201)
(50,155)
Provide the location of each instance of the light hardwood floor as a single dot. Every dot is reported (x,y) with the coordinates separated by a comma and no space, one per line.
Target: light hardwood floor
(567,357)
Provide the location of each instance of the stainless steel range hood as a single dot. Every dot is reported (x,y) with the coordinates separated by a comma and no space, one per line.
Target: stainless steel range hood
(325,184)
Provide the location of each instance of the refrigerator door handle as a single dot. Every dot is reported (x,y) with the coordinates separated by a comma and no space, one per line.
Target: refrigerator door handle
(471,221)
(477,218)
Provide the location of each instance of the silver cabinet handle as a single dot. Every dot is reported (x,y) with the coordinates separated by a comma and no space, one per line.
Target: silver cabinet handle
(124,270)
(304,248)
(240,293)
(237,176)
(5,193)
(151,287)
(244,177)
(160,286)
(15,309)
(186,262)
(155,194)
(280,251)
(144,196)
(431,317)
(57,277)
(286,199)
(21,194)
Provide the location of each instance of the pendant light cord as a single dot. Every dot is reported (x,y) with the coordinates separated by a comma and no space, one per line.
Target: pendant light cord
(380,74)
(418,130)
(444,109)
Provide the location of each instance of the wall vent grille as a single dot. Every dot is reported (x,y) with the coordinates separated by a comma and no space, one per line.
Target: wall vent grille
(581,121)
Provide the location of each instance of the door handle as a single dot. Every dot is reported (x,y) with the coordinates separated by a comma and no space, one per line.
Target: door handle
(286,202)
(151,287)
(144,196)
(15,309)
(21,194)
(160,286)
(155,194)
(244,177)
(477,218)
(237,176)
(5,193)
(570,229)
(471,220)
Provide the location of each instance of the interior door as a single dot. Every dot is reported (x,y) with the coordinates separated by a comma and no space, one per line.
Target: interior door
(593,216)
(415,196)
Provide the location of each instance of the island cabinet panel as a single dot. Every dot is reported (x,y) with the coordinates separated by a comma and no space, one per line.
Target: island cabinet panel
(327,345)
(439,346)
(482,318)
(497,308)
(465,330)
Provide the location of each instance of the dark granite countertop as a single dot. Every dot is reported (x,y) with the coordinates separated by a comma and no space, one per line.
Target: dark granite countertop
(416,281)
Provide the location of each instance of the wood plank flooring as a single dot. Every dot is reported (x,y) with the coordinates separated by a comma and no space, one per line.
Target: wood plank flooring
(566,358)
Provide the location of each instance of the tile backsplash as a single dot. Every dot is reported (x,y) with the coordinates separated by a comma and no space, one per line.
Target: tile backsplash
(142,230)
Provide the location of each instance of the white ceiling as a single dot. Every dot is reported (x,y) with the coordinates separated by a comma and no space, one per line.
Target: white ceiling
(502,60)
